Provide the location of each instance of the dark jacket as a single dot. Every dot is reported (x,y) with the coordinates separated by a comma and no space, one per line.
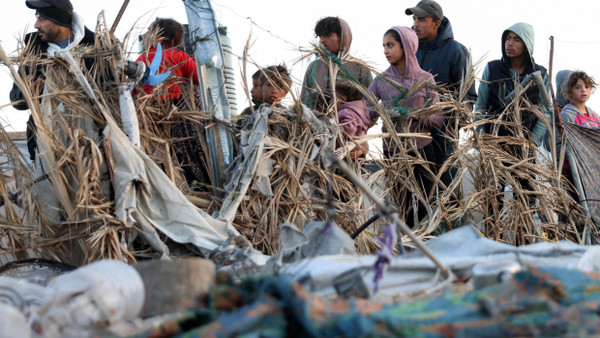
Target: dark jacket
(497,81)
(447,59)
(34,45)
(501,81)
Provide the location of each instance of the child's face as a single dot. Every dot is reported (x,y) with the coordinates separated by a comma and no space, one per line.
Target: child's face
(331,42)
(513,45)
(392,50)
(256,91)
(581,92)
(272,94)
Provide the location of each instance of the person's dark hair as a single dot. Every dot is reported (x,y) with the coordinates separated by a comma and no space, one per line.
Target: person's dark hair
(170,32)
(345,88)
(256,75)
(395,35)
(278,75)
(572,80)
(328,25)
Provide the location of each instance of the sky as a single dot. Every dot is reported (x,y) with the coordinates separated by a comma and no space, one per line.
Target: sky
(281,30)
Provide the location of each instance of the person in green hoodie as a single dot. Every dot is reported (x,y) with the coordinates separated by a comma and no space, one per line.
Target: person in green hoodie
(335,37)
(499,79)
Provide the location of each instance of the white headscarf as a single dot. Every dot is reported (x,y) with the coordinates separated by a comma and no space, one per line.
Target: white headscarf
(78,32)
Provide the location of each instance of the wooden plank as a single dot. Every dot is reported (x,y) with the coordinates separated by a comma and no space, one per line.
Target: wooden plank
(17,135)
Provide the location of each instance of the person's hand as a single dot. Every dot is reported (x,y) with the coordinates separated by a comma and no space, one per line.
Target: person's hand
(38,86)
(560,127)
(356,153)
(395,114)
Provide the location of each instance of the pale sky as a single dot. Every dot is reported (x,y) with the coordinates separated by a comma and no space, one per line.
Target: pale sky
(280,29)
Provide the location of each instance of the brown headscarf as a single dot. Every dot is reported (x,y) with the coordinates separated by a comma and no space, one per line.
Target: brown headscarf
(317,77)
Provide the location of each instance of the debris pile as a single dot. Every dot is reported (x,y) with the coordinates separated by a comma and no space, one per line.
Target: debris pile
(279,226)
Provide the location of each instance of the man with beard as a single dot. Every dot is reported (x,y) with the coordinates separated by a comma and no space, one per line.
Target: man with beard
(58,28)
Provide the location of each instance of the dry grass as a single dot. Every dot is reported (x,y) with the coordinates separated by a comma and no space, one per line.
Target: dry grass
(536,207)
(82,227)
(300,186)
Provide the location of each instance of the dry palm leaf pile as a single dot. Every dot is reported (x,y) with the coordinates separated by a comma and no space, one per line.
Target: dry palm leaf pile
(79,225)
(73,218)
(299,188)
(294,185)
(72,214)
(536,205)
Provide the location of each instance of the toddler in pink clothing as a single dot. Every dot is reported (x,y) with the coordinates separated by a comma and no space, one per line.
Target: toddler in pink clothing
(353,115)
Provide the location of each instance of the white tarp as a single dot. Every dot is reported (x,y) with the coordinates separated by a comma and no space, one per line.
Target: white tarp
(144,194)
(460,250)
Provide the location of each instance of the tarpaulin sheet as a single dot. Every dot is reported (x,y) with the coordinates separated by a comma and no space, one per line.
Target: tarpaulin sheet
(584,145)
(145,195)
(460,250)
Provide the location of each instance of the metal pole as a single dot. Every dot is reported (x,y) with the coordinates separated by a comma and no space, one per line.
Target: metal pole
(208,52)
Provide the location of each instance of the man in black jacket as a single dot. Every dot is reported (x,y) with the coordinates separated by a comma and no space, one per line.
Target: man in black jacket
(450,63)
(58,28)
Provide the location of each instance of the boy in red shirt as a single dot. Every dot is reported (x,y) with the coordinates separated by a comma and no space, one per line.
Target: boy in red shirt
(170,35)
(185,134)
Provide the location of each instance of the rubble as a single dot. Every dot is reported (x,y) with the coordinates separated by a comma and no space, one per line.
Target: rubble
(276,249)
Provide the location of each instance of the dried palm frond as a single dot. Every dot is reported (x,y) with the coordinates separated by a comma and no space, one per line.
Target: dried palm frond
(300,188)
(80,226)
(536,206)
(78,223)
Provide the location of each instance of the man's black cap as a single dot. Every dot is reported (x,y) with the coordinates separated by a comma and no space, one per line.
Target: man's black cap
(425,9)
(63,5)
(58,11)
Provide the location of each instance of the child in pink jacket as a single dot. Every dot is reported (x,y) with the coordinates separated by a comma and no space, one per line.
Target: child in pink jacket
(394,86)
(353,115)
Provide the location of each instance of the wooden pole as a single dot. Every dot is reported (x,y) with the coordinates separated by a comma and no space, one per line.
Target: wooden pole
(556,125)
(387,211)
(119,16)
(550,62)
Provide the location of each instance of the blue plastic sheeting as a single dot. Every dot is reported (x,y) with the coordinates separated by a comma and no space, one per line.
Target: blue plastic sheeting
(535,302)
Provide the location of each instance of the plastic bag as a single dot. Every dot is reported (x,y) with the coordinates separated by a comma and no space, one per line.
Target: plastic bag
(91,298)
